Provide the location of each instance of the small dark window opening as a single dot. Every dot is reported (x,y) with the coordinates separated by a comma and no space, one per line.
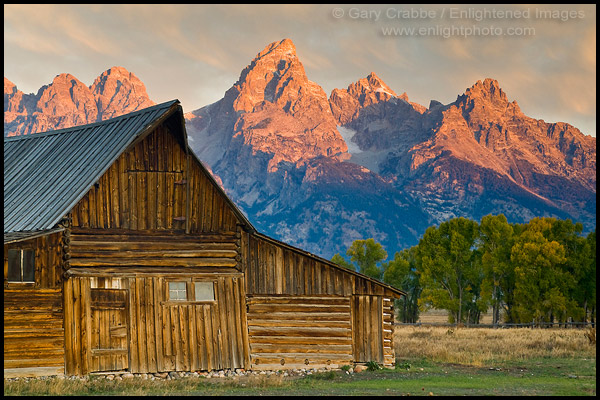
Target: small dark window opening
(21,265)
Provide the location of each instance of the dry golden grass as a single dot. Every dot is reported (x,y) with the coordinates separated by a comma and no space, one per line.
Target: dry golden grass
(480,346)
(441,317)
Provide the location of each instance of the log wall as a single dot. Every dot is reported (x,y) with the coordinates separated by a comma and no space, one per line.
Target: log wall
(304,309)
(33,312)
(99,248)
(299,331)
(162,335)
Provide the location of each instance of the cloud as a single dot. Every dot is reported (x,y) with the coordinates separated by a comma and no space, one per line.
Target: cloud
(54,29)
(203,48)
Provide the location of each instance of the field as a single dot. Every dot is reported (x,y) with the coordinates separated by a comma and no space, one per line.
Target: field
(430,361)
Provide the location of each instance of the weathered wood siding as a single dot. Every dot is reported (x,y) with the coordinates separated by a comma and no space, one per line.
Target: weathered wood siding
(288,283)
(155,185)
(33,312)
(299,331)
(162,335)
(275,269)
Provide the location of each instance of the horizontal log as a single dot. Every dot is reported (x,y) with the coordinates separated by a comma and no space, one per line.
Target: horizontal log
(24,292)
(124,235)
(115,271)
(331,300)
(157,253)
(285,331)
(256,348)
(267,358)
(78,246)
(315,316)
(289,365)
(33,307)
(299,308)
(35,326)
(25,334)
(304,323)
(11,364)
(50,355)
(301,340)
(154,262)
(32,317)
(33,347)
(57,369)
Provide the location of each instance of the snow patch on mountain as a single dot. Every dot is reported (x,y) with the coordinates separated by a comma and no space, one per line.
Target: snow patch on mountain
(347,135)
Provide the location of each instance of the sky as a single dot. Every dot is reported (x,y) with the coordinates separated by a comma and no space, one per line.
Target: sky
(543,56)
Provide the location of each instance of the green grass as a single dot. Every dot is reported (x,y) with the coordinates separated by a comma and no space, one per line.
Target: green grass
(534,377)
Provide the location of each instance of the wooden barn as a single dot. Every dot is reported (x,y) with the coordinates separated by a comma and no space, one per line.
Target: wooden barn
(122,253)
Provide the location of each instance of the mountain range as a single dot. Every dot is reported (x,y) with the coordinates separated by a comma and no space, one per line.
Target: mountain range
(320,171)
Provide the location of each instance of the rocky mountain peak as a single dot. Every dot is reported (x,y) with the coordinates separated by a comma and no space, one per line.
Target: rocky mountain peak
(272,110)
(283,48)
(487,91)
(67,102)
(118,91)
(9,87)
(277,76)
(67,95)
(368,96)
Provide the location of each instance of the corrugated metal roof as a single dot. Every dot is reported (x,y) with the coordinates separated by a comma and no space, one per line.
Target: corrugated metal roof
(13,237)
(46,174)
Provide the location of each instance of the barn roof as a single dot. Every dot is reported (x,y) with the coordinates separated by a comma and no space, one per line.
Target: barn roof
(46,174)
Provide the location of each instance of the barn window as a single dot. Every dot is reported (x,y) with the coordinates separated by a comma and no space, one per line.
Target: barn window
(204,291)
(177,291)
(21,265)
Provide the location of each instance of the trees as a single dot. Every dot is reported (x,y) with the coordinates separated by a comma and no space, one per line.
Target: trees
(365,256)
(401,273)
(495,243)
(339,260)
(540,284)
(449,271)
(542,270)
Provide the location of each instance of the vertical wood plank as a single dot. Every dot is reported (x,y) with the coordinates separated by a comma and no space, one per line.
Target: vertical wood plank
(68,326)
(193,338)
(86,327)
(224,336)
(184,336)
(210,343)
(141,324)
(176,336)
(133,329)
(158,322)
(150,321)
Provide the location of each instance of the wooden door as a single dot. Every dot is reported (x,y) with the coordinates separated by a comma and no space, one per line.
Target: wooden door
(109,343)
(367,328)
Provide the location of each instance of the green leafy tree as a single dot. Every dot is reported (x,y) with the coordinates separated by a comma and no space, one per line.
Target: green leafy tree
(587,282)
(495,243)
(366,254)
(576,265)
(341,261)
(541,284)
(401,273)
(449,272)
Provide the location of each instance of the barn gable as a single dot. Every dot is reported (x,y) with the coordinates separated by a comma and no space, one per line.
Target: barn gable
(47,174)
